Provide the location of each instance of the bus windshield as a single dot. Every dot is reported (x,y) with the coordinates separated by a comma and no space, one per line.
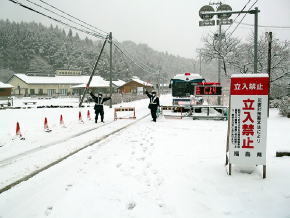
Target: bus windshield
(183,88)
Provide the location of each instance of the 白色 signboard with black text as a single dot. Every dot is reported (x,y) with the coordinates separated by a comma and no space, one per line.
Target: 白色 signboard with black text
(248,119)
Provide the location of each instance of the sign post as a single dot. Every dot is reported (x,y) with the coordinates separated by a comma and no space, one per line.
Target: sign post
(247,131)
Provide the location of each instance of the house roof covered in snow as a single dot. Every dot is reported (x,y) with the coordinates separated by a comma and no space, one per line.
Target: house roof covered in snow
(98,83)
(95,83)
(5,86)
(119,83)
(73,80)
(136,79)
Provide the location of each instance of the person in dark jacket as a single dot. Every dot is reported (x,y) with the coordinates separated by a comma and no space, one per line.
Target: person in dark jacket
(154,104)
(99,107)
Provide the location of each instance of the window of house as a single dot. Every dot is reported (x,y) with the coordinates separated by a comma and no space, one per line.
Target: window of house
(63,91)
(32,92)
(51,92)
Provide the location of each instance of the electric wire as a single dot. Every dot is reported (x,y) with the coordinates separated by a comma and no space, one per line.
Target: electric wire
(124,50)
(64,17)
(141,65)
(55,19)
(267,26)
(72,16)
(137,60)
(242,19)
(238,15)
(131,59)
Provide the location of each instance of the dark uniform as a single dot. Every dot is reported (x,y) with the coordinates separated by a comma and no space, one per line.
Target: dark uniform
(99,107)
(153,105)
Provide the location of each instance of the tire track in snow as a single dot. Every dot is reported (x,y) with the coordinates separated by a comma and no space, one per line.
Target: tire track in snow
(34,173)
(14,158)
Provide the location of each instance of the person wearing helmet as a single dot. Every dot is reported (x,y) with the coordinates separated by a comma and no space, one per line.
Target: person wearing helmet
(154,104)
(99,105)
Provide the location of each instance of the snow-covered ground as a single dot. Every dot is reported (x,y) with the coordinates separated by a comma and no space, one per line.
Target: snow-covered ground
(21,157)
(172,168)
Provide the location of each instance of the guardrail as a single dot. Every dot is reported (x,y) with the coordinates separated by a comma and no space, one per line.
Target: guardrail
(196,111)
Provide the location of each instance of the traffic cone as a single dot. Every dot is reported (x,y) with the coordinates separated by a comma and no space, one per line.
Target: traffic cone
(80,118)
(46,128)
(61,122)
(18,132)
(89,115)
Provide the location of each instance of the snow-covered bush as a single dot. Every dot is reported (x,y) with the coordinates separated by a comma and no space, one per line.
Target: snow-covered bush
(283,107)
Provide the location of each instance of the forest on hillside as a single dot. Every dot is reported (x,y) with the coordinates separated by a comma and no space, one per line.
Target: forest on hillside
(34,47)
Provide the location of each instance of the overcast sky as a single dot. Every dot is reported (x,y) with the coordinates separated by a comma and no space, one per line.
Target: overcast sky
(165,25)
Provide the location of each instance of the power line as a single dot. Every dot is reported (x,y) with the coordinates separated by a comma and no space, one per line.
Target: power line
(266,26)
(57,20)
(100,34)
(128,53)
(73,16)
(131,59)
(238,15)
(93,33)
(242,19)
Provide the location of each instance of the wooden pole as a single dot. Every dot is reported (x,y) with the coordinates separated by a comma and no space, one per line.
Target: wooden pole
(264,171)
(228,133)
(269,66)
(111,65)
(92,74)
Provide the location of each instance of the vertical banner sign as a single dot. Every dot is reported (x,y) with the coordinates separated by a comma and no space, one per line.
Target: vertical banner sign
(248,119)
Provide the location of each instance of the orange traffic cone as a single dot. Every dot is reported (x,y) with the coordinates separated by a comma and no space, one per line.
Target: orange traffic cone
(89,115)
(46,128)
(18,132)
(61,122)
(80,118)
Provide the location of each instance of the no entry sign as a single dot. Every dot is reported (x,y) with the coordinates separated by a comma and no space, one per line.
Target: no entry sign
(248,119)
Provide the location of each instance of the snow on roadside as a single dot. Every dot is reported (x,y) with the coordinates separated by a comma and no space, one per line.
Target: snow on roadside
(172,168)
(19,158)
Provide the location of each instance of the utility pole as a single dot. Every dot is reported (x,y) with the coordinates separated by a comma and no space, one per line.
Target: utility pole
(219,38)
(269,38)
(255,12)
(199,62)
(111,63)
(92,74)
(219,60)
(256,41)
(159,81)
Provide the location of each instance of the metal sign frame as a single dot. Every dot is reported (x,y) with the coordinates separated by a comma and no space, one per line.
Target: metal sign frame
(247,124)
(255,12)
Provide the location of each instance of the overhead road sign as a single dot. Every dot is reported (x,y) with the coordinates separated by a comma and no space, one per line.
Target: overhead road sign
(224,22)
(207,23)
(206,8)
(224,7)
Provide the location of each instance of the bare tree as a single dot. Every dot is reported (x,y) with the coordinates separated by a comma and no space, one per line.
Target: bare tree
(239,56)
(224,51)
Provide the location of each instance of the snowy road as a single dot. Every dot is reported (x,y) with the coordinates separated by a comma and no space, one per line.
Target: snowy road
(172,168)
(21,158)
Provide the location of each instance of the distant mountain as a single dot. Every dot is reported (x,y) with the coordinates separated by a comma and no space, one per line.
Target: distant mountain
(35,47)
